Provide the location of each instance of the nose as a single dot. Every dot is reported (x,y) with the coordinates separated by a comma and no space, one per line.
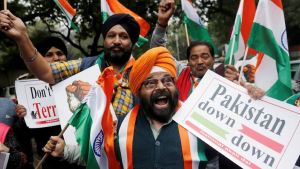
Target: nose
(199,60)
(55,57)
(160,85)
(117,40)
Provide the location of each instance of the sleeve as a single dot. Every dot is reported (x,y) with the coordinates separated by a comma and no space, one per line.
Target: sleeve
(63,70)
(159,37)
(72,155)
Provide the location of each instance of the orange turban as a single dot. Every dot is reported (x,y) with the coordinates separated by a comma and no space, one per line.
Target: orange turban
(160,57)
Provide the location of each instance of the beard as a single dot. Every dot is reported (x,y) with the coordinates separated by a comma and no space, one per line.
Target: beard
(160,115)
(73,101)
(118,58)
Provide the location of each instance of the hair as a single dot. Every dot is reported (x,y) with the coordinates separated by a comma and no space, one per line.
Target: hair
(199,43)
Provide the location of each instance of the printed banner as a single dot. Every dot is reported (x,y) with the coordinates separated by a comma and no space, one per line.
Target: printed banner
(65,101)
(252,133)
(37,97)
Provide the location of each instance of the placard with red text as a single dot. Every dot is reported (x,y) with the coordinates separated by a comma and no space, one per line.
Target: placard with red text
(37,97)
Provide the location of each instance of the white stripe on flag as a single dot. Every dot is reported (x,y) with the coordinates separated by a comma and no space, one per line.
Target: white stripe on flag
(123,139)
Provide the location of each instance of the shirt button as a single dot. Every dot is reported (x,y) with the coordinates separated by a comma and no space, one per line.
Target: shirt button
(157,143)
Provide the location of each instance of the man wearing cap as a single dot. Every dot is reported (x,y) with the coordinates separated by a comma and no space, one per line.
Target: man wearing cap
(148,131)
(120,33)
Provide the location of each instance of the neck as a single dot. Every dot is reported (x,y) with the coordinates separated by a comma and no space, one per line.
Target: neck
(156,124)
(116,67)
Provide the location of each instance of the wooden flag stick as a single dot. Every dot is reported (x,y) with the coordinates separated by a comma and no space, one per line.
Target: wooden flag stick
(5,4)
(186,35)
(47,154)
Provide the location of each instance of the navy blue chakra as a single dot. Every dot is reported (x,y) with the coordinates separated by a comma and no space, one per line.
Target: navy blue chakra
(98,142)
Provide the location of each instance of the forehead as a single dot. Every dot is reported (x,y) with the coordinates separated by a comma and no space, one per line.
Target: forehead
(200,49)
(117,29)
(158,75)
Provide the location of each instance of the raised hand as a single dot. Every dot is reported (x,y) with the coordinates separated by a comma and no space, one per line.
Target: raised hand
(165,11)
(12,26)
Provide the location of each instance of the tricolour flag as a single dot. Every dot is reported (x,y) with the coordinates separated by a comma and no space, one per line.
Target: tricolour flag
(110,7)
(268,36)
(95,125)
(195,27)
(68,11)
(241,31)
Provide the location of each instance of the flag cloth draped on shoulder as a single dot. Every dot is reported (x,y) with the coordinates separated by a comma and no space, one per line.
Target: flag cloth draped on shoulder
(110,7)
(68,11)
(268,36)
(241,31)
(95,125)
(195,27)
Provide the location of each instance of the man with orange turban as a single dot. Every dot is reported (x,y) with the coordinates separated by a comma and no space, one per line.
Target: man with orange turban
(147,135)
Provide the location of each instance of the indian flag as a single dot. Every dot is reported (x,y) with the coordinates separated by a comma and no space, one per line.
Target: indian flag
(268,36)
(95,125)
(110,7)
(195,27)
(241,31)
(68,11)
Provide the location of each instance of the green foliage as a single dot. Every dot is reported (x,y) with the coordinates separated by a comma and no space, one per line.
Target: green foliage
(45,18)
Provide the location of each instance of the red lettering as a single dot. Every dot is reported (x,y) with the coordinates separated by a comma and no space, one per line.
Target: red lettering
(36,105)
(44,112)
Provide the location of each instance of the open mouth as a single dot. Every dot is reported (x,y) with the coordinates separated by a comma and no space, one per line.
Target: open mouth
(161,102)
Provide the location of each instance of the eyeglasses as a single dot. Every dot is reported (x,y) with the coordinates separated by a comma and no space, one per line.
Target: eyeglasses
(167,81)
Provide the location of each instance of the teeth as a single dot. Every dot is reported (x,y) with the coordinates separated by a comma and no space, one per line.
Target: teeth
(162,97)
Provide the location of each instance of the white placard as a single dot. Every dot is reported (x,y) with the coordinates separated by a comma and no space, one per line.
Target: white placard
(37,97)
(252,133)
(89,75)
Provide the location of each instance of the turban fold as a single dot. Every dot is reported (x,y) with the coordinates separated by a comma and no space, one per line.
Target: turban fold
(126,21)
(160,57)
(50,42)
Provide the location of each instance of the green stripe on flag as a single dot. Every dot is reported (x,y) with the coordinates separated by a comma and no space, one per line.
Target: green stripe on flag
(141,41)
(210,125)
(279,91)
(235,40)
(263,40)
(104,16)
(198,33)
(82,121)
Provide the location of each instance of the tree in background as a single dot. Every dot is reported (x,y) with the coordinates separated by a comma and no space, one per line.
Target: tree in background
(44,18)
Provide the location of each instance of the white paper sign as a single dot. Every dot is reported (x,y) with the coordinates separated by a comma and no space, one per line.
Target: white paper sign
(37,97)
(89,75)
(252,133)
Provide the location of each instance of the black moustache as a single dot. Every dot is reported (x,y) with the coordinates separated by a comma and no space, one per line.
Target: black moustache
(114,47)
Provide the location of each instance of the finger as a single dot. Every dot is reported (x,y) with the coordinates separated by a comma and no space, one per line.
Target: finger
(9,14)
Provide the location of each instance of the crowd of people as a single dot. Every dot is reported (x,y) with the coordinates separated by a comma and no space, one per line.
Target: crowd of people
(147,93)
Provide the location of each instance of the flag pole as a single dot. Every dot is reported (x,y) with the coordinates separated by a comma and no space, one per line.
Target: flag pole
(5,4)
(231,50)
(186,35)
(47,154)
(242,67)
